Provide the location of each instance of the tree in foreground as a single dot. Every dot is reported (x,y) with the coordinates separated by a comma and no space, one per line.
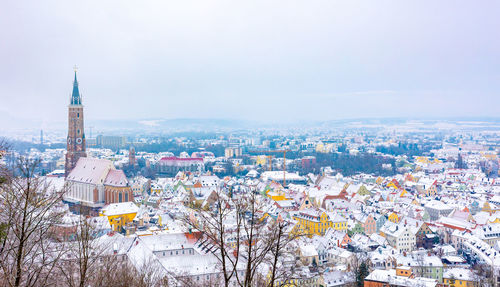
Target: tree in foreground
(244,239)
(360,269)
(28,210)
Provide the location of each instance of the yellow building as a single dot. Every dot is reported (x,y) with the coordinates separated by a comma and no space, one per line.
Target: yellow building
(156,189)
(312,280)
(316,221)
(459,277)
(276,195)
(261,160)
(427,160)
(393,217)
(119,214)
(324,148)
(404,271)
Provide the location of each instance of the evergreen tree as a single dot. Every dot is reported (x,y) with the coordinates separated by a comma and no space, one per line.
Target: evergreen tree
(361,274)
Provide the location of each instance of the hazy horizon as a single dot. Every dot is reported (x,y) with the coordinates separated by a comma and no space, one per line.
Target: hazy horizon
(282,61)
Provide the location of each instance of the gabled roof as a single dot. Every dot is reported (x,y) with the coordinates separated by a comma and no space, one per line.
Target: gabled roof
(116,178)
(90,170)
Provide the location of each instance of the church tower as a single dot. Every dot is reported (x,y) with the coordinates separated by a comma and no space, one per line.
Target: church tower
(75,147)
(131,156)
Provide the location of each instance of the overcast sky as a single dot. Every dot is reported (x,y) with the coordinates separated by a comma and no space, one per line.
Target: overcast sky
(253,60)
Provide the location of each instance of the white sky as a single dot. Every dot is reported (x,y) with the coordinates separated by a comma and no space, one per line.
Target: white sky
(254,60)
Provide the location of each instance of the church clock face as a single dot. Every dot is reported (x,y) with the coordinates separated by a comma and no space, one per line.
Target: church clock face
(79,140)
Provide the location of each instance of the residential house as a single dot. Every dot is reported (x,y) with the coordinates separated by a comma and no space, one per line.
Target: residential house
(399,236)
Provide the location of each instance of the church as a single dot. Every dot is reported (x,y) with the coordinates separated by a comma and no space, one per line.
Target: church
(90,183)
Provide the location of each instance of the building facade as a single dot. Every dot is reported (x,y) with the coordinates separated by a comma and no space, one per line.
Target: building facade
(170,166)
(94,183)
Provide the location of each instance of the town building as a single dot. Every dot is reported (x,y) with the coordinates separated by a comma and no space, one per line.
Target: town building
(94,183)
(170,166)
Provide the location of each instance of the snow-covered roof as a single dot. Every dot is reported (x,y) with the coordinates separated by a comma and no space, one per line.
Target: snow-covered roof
(116,178)
(90,170)
(119,208)
(459,274)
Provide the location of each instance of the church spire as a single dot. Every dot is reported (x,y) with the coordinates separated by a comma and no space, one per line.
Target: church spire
(75,96)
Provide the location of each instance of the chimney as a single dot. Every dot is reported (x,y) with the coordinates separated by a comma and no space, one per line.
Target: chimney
(429,253)
(404,253)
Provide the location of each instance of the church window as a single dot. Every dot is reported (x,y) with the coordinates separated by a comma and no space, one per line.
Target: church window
(78,131)
(126,196)
(120,197)
(77,115)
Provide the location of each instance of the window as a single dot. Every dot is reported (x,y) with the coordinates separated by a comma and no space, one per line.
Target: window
(77,115)
(120,197)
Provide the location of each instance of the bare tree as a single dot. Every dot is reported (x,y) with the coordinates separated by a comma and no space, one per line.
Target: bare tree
(281,256)
(359,266)
(255,232)
(84,255)
(92,259)
(420,264)
(243,239)
(212,222)
(27,256)
(115,272)
(151,274)
(5,177)
(485,274)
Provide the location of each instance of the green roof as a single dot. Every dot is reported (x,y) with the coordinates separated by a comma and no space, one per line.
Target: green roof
(75,96)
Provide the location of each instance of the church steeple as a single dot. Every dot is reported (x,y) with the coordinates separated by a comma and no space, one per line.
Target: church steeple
(75,96)
(76,136)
